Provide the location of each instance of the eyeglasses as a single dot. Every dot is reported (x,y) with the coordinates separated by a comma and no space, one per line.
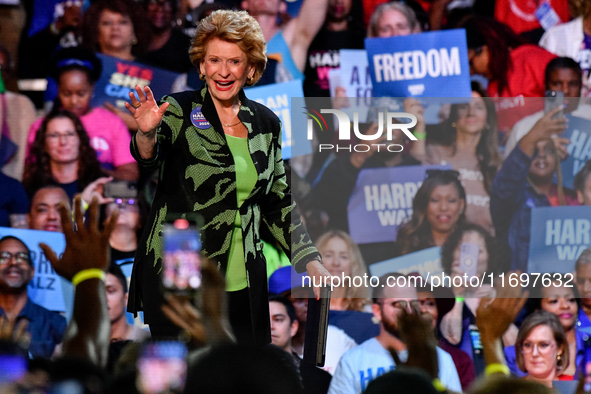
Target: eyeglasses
(543,347)
(54,137)
(404,305)
(442,173)
(19,257)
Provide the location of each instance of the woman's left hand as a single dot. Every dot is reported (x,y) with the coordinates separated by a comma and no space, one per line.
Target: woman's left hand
(316,270)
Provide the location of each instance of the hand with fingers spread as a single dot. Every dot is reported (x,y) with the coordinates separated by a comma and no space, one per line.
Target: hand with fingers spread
(85,248)
(208,325)
(145,111)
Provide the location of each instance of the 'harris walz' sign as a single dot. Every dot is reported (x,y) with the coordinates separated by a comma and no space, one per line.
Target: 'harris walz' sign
(433,64)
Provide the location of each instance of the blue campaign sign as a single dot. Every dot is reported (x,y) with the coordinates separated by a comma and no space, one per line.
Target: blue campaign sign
(46,288)
(356,80)
(119,77)
(426,261)
(382,201)
(579,149)
(278,97)
(558,236)
(432,64)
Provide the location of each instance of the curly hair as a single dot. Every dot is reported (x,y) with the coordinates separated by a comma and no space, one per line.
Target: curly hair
(38,163)
(356,297)
(237,27)
(454,240)
(487,150)
(579,8)
(416,233)
(542,318)
(126,8)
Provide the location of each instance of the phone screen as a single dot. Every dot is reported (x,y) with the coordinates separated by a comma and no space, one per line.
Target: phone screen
(162,367)
(554,99)
(182,261)
(469,258)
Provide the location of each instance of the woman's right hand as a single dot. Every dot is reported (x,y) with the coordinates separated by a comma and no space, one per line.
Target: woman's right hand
(547,127)
(145,111)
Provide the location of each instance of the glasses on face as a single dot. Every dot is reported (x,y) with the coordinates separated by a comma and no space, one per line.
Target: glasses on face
(19,257)
(54,137)
(404,305)
(543,347)
(442,173)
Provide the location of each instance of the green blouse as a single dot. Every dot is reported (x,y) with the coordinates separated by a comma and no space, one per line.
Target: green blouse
(246,177)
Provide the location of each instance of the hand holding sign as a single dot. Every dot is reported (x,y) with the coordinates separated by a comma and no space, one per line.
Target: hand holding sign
(145,111)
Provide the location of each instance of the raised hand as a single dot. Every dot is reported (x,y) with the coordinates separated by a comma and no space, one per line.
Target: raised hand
(413,106)
(493,317)
(95,189)
(145,111)
(85,248)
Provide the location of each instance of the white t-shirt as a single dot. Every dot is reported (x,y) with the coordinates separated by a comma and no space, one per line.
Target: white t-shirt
(337,344)
(361,365)
(523,127)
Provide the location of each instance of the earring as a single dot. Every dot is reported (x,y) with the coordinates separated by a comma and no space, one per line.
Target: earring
(202,77)
(487,126)
(375,320)
(250,79)
(454,125)
(558,358)
(134,41)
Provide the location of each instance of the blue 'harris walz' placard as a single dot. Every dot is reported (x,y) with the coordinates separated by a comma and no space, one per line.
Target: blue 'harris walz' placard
(558,237)
(579,149)
(382,201)
(433,64)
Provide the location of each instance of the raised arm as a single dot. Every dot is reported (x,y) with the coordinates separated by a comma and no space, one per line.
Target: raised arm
(301,30)
(148,117)
(87,251)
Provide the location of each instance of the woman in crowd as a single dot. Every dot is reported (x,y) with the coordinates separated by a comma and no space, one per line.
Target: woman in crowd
(525,181)
(455,325)
(76,71)
(115,28)
(61,154)
(342,258)
(541,348)
(208,166)
(564,303)
(513,68)
(438,208)
(467,140)
(393,19)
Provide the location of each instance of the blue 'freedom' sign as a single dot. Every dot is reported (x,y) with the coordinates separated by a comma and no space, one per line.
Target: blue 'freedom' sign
(433,64)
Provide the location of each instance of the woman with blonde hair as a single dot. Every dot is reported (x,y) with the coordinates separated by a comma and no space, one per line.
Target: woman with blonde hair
(342,258)
(219,155)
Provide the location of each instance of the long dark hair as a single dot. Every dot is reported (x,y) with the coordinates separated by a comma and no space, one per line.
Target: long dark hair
(500,40)
(487,150)
(416,233)
(38,167)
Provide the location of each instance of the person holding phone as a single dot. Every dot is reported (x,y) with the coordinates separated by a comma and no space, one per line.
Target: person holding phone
(220,156)
(563,75)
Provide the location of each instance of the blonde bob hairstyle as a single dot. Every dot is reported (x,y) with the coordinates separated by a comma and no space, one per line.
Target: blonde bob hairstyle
(237,27)
(356,297)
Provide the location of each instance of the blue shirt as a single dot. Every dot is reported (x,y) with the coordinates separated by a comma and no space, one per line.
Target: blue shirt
(47,328)
(13,199)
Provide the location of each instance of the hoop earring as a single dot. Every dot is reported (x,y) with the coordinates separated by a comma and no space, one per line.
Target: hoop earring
(454,125)
(487,126)
(202,77)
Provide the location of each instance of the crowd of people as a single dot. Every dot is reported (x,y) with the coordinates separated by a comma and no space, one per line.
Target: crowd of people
(106,177)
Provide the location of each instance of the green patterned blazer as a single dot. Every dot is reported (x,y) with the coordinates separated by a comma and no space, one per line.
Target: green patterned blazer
(197,175)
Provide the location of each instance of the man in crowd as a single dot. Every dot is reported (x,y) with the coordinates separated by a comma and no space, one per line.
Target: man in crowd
(44,214)
(359,366)
(284,326)
(16,271)
(562,74)
(117,293)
